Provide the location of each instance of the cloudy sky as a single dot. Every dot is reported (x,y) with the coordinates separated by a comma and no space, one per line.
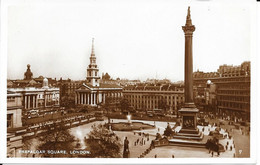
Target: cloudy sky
(133,39)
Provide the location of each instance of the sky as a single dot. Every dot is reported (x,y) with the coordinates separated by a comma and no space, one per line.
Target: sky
(133,39)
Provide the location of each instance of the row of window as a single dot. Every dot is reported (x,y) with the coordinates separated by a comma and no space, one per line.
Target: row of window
(153,89)
(233,105)
(10,99)
(152,100)
(244,99)
(235,93)
(152,97)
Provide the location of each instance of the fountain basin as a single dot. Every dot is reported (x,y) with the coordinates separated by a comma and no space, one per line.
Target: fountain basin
(123,126)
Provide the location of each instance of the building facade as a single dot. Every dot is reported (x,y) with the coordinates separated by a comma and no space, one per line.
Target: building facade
(14,110)
(40,99)
(229,88)
(150,97)
(94,93)
(14,123)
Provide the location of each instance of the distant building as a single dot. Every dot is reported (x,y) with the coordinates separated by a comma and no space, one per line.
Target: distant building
(29,81)
(229,88)
(150,97)
(28,75)
(94,93)
(125,82)
(14,110)
(33,98)
(68,87)
(156,81)
(14,123)
(234,71)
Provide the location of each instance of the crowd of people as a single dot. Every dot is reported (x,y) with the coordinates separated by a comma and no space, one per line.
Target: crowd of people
(142,140)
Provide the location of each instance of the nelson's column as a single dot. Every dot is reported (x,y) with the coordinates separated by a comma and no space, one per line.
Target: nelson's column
(189,110)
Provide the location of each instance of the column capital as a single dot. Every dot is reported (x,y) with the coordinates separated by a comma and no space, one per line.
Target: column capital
(188,29)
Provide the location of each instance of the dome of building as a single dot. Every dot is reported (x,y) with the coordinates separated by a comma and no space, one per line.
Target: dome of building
(28,74)
(45,83)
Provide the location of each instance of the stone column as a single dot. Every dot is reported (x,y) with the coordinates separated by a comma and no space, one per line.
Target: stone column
(76,98)
(153,98)
(88,98)
(94,98)
(150,102)
(33,102)
(146,102)
(81,98)
(25,102)
(45,99)
(85,98)
(97,98)
(79,101)
(91,100)
(175,102)
(37,101)
(171,101)
(29,102)
(188,31)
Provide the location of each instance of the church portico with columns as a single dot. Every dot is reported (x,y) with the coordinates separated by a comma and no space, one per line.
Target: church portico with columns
(90,95)
(94,93)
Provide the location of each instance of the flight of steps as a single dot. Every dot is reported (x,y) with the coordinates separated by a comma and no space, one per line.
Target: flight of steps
(188,138)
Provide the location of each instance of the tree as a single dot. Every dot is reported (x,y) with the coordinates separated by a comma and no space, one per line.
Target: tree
(124,105)
(57,138)
(162,104)
(108,103)
(168,131)
(104,143)
(85,108)
(212,144)
(67,101)
(107,106)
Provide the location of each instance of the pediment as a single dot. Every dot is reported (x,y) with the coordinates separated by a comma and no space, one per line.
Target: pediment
(84,87)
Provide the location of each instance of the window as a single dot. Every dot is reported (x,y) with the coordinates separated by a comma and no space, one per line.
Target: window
(9,120)
(11,99)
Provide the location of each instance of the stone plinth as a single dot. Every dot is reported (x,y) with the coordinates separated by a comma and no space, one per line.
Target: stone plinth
(189,117)
(189,128)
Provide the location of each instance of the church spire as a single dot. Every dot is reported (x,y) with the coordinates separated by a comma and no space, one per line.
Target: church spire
(92,70)
(92,51)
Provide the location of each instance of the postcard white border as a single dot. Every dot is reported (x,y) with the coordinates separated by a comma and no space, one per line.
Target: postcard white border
(3,75)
